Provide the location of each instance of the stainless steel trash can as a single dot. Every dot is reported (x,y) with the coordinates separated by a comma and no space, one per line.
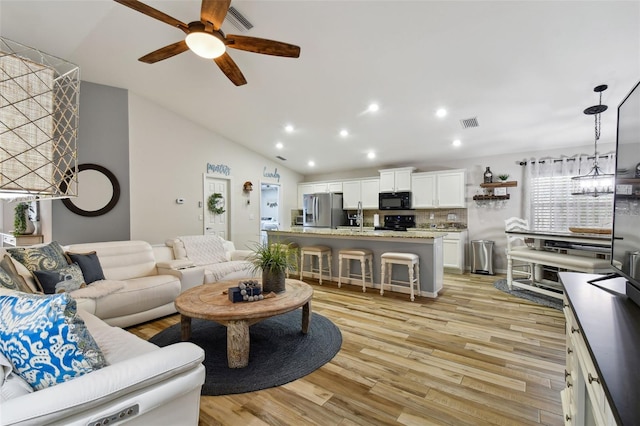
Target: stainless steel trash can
(482,257)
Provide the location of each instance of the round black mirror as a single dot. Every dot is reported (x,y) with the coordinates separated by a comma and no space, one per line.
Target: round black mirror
(100,191)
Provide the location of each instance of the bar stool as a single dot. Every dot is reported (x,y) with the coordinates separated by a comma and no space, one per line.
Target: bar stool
(363,255)
(410,260)
(320,252)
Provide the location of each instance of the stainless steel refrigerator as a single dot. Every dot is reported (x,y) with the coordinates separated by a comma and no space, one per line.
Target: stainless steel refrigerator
(323,210)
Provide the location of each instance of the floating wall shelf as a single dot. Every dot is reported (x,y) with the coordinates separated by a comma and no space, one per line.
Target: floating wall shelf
(505,184)
(490,197)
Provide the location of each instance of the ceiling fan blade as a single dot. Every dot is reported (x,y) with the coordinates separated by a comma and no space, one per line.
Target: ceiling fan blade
(214,11)
(230,69)
(262,45)
(154,13)
(165,52)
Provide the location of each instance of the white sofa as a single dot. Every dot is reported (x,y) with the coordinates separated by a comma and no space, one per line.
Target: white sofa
(143,383)
(218,258)
(136,289)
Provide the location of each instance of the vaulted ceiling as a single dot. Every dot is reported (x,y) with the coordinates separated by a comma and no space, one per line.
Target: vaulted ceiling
(524,69)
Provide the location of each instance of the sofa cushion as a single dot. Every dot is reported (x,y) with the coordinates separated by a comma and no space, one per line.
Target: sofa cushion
(45,340)
(47,257)
(9,276)
(64,279)
(204,249)
(98,289)
(121,260)
(139,295)
(89,264)
(11,384)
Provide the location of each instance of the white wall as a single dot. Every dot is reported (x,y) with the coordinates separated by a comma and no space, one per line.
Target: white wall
(168,158)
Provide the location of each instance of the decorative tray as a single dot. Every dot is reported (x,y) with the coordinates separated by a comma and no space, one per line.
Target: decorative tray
(590,230)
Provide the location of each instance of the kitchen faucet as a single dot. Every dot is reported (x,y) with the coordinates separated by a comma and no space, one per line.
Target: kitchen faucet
(360,216)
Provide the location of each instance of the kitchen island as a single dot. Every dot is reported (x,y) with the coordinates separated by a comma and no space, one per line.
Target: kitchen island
(427,245)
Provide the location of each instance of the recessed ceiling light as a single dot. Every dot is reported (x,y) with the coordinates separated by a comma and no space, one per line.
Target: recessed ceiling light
(288,128)
(279,145)
(456,143)
(371,155)
(311,163)
(344,133)
(441,112)
(374,107)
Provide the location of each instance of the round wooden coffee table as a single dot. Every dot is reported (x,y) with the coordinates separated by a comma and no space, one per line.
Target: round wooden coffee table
(208,302)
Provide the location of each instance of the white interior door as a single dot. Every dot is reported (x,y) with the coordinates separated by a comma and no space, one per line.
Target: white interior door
(217,224)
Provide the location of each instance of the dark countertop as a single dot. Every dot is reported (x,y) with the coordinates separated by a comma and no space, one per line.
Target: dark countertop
(610,325)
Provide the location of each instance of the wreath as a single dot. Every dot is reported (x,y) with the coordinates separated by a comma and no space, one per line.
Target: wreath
(215,203)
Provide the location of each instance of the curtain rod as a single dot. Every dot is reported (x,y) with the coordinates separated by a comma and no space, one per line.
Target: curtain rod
(558,160)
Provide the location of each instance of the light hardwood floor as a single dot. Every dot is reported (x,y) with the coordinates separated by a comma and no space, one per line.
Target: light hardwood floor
(472,356)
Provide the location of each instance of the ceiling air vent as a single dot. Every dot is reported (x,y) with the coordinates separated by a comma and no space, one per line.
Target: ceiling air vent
(236,19)
(281,158)
(468,123)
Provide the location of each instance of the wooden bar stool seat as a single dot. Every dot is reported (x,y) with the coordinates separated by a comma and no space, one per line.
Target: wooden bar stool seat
(319,252)
(410,260)
(364,256)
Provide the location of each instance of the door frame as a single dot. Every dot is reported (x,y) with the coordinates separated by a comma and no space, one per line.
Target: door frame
(228,202)
(279,185)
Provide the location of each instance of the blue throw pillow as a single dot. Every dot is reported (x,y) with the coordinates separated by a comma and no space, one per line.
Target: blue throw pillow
(10,278)
(48,257)
(90,265)
(64,279)
(45,340)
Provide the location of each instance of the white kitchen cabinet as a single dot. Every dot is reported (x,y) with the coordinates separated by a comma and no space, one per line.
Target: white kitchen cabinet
(334,187)
(369,193)
(365,190)
(395,180)
(453,248)
(304,188)
(423,190)
(450,189)
(444,189)
(351,194)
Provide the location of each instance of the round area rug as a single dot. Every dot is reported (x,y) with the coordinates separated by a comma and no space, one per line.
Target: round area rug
(279,351)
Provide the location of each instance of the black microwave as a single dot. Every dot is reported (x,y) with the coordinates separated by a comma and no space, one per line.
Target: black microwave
(394,201)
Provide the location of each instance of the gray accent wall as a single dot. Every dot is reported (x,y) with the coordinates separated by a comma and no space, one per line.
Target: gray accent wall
(103,139)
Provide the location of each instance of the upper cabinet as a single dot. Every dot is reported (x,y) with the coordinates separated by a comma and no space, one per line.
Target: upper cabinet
(365,190)
(444,189)
(396,180)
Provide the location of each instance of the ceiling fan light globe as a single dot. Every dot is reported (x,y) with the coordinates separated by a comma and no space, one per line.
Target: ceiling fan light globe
(205,45)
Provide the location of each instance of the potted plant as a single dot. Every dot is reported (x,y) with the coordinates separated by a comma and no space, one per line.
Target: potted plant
(503,178)
(21,223)
(274,260)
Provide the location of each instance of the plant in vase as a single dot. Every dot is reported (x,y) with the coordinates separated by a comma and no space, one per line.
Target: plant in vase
(503,178)
(274,260)
(21,223)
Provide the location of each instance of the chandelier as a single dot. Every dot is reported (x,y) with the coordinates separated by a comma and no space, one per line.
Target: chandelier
(596,182)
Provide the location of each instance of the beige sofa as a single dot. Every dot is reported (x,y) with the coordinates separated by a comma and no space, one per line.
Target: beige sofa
(136,289)
(218,258)
(142,384)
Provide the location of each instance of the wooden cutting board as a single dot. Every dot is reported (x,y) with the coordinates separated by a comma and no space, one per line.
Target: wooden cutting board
(590,230)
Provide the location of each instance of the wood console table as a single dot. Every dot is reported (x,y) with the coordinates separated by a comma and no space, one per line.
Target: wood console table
(10,240)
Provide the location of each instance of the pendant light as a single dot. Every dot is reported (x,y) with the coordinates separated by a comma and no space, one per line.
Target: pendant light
(595,182)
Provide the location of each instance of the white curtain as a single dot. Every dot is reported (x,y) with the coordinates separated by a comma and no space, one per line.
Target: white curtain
(549,204)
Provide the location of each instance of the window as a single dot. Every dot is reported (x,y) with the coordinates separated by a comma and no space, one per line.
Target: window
(550,203)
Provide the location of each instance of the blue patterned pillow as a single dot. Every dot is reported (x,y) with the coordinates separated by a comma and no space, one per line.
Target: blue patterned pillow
(10,278)
(45,340)
(68,278)
(48,257)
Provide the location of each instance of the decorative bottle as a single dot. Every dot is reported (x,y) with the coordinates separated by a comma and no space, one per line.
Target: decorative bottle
(488,176)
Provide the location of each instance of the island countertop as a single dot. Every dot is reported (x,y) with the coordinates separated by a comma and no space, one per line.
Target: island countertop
(365,234)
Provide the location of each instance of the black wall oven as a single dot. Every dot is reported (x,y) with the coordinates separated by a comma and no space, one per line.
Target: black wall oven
(394,201)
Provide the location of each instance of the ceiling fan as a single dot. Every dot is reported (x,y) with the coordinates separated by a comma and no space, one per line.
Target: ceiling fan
(206,39)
